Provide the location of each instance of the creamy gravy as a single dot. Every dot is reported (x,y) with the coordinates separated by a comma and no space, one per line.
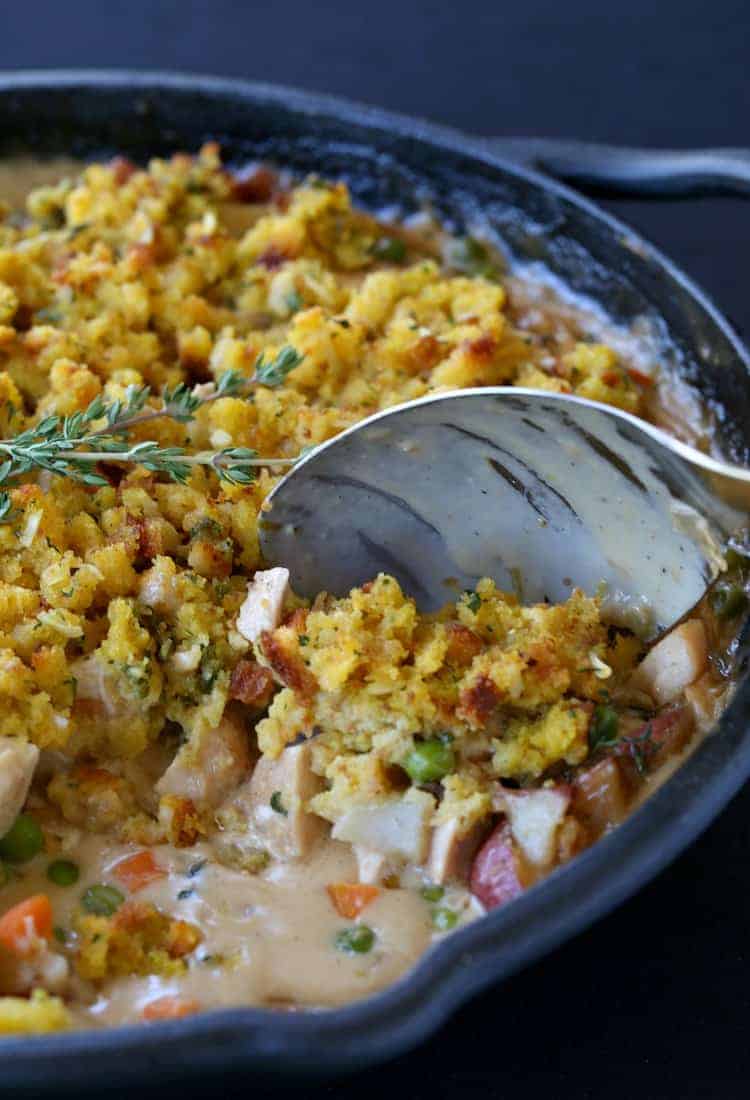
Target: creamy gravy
(268,938)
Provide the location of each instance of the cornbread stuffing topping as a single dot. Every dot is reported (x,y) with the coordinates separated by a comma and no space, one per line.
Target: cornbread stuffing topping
(214,792)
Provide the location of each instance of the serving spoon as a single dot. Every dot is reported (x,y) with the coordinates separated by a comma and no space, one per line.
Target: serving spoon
(541,492)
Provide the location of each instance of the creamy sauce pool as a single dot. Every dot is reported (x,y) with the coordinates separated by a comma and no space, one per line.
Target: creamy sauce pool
(268,939)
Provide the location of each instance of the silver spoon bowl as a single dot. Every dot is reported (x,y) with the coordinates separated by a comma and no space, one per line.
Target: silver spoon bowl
(541,492)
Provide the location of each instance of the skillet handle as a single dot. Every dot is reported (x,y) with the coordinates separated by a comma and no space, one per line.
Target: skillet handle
(619,170)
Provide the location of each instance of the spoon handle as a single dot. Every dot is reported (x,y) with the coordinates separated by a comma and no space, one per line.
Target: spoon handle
(620,170)
(728,483)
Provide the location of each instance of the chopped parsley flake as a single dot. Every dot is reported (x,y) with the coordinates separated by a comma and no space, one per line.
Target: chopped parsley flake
(277,804)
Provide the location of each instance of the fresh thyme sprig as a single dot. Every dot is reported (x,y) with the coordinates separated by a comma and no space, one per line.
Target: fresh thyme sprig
(72,446)
(181,401)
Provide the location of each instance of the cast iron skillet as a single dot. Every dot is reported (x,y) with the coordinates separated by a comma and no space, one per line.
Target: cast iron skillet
(390,159)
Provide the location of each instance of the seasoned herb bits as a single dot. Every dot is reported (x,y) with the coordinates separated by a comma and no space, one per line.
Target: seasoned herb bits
(277,804)
(102,900)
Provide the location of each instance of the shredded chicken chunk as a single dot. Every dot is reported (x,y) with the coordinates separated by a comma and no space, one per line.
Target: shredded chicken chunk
(263,604)
(18,759)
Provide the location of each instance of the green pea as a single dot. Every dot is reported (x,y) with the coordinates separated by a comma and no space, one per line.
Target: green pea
(391,249)
(728,600)
(102,900)
(432,893)
(23,841)
(357,940)
(429,760)
(603,731)
(444,919)
(63,872)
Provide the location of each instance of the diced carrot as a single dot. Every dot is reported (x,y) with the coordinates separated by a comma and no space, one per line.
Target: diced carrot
(135,872)
(26,922)
(350,898)
(169,1008)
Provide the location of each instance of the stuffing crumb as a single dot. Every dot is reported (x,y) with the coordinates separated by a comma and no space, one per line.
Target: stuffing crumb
(35,1015)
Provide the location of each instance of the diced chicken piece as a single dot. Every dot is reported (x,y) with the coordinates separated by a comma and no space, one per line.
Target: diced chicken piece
(53,972)
(535,817)
(144,772)
(156,586)
(452,851)
(497,875)
(704,697)
(18,759)
(274,803)
(39,967)
(674,663)
(262,608)
(44,968)
(600,795)
(207,772)
(96,682)
(187,660)
(372,867)
(397,828)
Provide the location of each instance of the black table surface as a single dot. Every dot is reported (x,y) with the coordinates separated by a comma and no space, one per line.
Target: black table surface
(653,1001)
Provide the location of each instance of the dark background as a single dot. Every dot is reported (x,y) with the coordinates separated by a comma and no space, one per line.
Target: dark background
(653,1002)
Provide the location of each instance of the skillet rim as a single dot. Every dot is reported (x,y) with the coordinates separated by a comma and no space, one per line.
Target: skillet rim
(503,942)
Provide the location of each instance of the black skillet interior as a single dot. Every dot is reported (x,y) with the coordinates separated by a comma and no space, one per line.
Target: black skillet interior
(392,161)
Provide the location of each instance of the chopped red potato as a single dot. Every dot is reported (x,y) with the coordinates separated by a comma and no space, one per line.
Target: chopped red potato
(498,874)
(264,603)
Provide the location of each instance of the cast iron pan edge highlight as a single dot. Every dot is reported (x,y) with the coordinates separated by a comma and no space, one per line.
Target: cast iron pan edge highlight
(601,256)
